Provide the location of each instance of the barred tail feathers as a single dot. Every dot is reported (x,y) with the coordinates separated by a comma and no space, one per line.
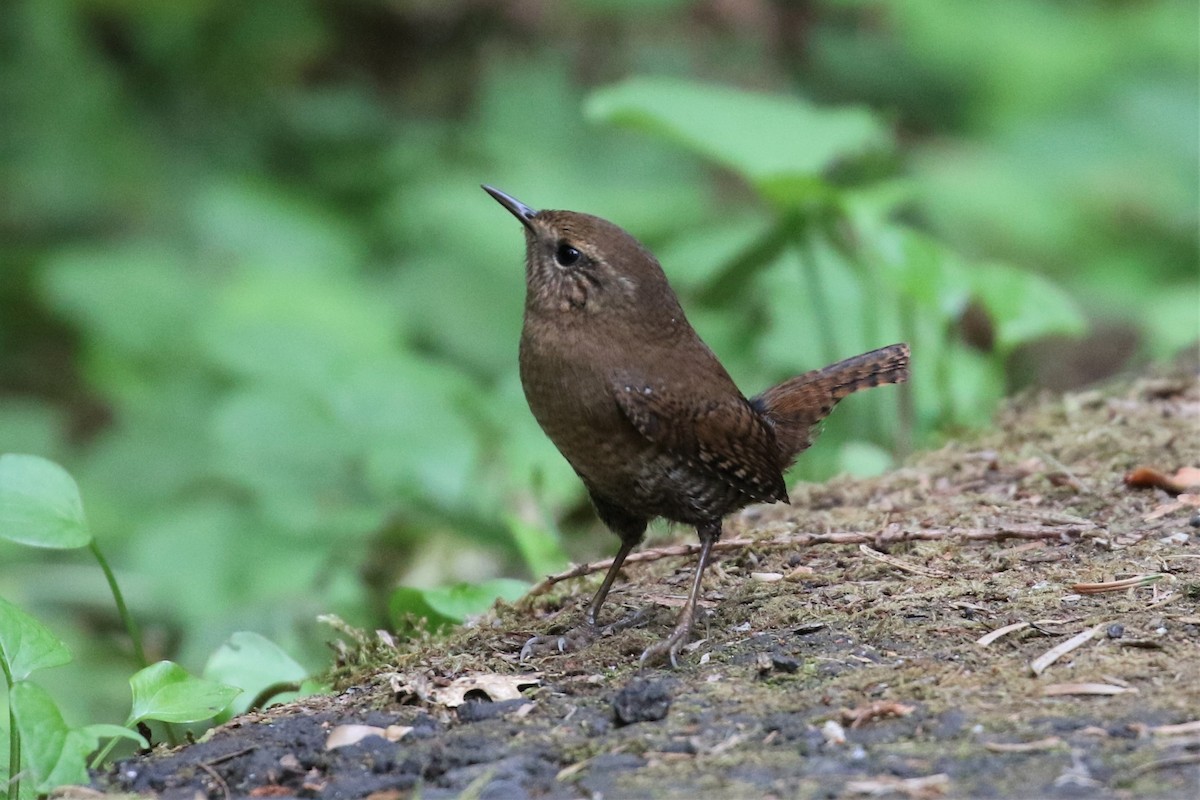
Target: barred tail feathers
(795,406)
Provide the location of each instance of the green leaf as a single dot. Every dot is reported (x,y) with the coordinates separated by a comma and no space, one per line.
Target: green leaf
(252,662)
(26,644)
(40,504)
(779,143)
(1024,306)
(100,730)
(540,547)
(137,302)
(259,224)
(55,753)
(166,692)
(864,459)
(448,605)
(54,758)
(410,420)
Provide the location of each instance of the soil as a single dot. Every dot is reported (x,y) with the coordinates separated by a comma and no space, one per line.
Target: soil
(838,653)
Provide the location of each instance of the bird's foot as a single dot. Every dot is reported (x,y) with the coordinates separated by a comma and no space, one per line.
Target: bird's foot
(668,647)
(578,637)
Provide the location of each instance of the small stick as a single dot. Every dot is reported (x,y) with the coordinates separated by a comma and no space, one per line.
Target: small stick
(882,538)
(1048,743)
(1039,664)
(901,564)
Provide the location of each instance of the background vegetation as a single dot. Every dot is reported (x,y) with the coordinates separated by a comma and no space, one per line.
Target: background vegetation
(254,300)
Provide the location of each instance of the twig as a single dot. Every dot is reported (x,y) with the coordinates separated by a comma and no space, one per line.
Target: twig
(900,563)
(879,539)
(1049,743)
(1173,761)
(1176,730)
(232,754)
(224,787)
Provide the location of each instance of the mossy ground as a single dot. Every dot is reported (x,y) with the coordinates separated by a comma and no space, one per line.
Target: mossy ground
(765,705)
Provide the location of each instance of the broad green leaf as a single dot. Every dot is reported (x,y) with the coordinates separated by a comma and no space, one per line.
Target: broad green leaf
(1171,319)
(291,330)
(26,644)
(263,226)
(166,692)
(864,459)
(1024,306)
(136,303)
(407,604)
(54,758)
(452,604)
(409,419)
(528,462)
(31,425)
(101,730)
(252,662)
(286,446)
(55,753)
(40,504)
(781,144)
(540,547)
(921,268)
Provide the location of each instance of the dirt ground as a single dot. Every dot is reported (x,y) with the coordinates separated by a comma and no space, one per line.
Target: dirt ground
(843,650)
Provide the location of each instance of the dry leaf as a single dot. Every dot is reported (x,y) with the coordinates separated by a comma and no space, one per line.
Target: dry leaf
(986,639)
(496,687)
(1039,664)
(858,717)
(344,735)
(1116,586)
(833,732)
(1178,504)
(1148,477)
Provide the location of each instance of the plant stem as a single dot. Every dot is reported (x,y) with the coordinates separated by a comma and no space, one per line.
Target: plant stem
(815,289)
(102,754)
(131,627)
(13,789)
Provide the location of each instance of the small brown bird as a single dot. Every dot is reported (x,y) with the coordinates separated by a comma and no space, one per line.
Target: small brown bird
(639,405)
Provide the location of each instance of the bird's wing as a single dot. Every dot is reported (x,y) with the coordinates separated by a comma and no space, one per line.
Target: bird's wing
(723,437)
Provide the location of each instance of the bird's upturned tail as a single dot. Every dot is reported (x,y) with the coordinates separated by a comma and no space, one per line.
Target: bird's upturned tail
(795,406)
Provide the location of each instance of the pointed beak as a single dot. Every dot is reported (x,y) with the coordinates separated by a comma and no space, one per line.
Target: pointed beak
(515,206)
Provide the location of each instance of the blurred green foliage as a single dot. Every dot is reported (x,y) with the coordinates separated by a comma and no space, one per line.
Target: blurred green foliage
(254,299)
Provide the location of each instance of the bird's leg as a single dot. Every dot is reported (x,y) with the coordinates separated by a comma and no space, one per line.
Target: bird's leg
(610,577)
(709,533)
(583,635)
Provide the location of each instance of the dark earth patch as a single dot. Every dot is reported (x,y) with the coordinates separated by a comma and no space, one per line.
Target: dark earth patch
(818,669)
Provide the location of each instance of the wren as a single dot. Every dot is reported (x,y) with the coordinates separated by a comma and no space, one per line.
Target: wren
(642,409)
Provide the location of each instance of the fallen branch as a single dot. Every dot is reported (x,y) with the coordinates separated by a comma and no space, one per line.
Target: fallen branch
(880,539)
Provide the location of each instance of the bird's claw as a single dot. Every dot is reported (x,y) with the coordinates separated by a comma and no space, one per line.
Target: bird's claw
(668,647)
(578,638)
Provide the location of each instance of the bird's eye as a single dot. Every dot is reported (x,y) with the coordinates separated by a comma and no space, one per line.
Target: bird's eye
(566,255)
